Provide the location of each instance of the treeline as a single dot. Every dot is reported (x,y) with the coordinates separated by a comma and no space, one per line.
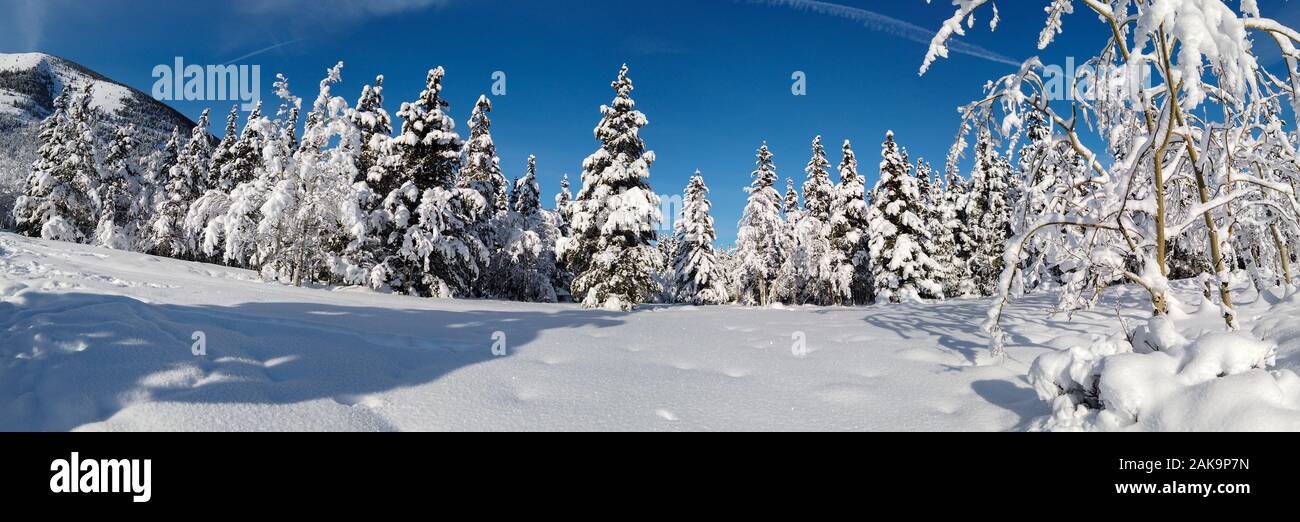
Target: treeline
(344,198)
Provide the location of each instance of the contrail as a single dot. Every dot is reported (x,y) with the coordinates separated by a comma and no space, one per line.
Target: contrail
(886,24)
(266,49)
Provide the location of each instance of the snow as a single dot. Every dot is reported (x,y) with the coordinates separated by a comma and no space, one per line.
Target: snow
(96,339)
(21,61)
(110,97)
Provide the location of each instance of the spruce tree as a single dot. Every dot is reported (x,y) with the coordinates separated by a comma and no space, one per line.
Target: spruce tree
(562,202)
(428,148)
(989,213)
(431,246)
(58,202)
(901,267)
(819,193)
(523,267)
(850,264)
(697,273)
(223,153)
(167,229)
(616,213)
(759,241)
(481,169)
(118,213)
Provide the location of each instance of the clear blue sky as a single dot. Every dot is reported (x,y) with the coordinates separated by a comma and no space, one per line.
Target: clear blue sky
(713,76)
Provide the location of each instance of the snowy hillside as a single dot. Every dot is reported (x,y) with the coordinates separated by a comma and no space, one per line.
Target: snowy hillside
(94,339)
(29,83)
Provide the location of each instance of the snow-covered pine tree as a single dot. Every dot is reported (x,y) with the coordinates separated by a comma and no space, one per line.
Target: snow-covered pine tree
(938,245)
(511,194)
(791,204)
(562,202)
(480,167)
(153,188)
(616,213)
(819,193)
(988,211)
(850,265)
(563,216)
(115,195)
(223,153)
(360,248)
(760,239)
(523,266)
(481,172)
(430,246)
(166,234)
(792,276)
(901,267)
(58,203)
(245,154)
(958,232)
(272,143)
(698,274)
(428,147)
(376,128)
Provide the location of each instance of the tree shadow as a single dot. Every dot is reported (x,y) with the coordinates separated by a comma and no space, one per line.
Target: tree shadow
(71,359)
(955,325)
(1019,400)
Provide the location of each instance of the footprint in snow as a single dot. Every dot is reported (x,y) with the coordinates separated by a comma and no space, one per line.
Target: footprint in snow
(666,415)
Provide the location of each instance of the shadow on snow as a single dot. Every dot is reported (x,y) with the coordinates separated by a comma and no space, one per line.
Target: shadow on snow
(72,359)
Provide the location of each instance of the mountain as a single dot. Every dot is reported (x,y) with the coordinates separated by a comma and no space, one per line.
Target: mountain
(30,82)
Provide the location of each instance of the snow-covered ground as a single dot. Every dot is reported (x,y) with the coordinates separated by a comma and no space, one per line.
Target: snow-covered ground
(94,339)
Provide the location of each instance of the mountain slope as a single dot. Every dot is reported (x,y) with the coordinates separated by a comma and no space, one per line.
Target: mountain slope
(30,82)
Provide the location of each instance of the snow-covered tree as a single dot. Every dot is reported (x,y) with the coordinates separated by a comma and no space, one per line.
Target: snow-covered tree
(58,202)
(616,213)
(816,260)
(166,234)
(850,264)
(523,268)
(562,201)
(273,143)
(314,207)
(430,246)
(119,214)
(759,241)
(988,210)
(900,263)
(480,167)
(698,274)
(1171,168)
(223,153)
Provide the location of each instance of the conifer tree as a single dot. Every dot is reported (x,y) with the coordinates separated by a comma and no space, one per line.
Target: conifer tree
(988,210)
(698,273)
(481,168)
(616,213)
(223,153)
(118,213)
(850,265)
(431,246)
(901,267)
(759,241)
(58,202)
(167,229)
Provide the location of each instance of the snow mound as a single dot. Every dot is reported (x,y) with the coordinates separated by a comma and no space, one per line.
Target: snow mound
(1163,381)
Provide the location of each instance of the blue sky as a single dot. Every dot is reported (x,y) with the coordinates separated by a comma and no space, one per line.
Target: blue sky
(713,76)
